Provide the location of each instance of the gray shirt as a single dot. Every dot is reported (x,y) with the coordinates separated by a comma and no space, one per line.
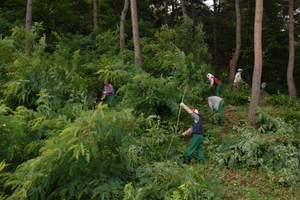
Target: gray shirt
(214,102)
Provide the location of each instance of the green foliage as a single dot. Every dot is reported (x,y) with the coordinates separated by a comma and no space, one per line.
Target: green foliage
(283,100)
(273,124)
(196,45)
(241,96)
(151,95)
(86,152)
(167,180)
(277,150)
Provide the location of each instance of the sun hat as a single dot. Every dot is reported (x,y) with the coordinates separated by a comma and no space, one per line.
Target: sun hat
(240,70)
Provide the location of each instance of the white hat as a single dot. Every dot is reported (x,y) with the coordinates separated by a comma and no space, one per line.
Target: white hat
(209,75)
(195,111)
(240,70)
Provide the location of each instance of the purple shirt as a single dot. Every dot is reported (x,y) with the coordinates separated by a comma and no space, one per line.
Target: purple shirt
(109,89)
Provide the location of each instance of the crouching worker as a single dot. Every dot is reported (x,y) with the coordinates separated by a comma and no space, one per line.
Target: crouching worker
(216,104)
(196,143)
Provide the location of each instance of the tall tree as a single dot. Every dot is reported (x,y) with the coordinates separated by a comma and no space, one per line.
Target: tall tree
(215,31)
(238,42)
(136,35)
(166,11)
(258,62)
(183,6)
(290,77)
(96,13)
(28,38)
(29,15)
(122,25)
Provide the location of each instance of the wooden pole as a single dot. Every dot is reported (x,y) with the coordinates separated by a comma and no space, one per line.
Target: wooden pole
(177,121)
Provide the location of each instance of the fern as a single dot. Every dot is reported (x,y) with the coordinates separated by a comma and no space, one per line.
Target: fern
(164,180)
(251,149)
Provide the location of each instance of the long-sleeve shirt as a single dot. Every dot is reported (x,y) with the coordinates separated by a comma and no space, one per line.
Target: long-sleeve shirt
(109,89)
(214,102)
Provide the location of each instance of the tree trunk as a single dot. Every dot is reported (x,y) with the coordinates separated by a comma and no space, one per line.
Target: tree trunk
(258,62)
(29,15)
(238,42)
(173,15)
(290,70)
(183,6)
(194,16)
(215,57)
(166,11)
(135,31)
(96,13)
(28,23)
(122,25)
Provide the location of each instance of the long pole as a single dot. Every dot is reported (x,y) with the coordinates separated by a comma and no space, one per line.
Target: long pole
(177,121)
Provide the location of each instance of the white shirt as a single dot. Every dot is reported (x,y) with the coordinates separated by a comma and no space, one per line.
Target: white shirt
(238,77)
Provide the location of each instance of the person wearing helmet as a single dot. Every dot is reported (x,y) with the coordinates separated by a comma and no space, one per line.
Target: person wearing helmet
(216,103)
(196,143)
(214,82)
(237,79)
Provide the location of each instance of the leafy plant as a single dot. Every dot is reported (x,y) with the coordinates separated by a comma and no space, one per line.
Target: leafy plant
(283,100)
(251,149)
(167,180)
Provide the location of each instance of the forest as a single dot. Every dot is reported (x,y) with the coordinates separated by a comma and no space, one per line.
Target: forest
(60,140)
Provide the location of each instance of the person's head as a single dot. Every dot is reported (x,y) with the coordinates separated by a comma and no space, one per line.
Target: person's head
(205,97)
(106,82)
(209,76)
(240,70)
(195,111)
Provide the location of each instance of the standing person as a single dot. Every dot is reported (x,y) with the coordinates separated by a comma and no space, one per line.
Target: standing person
(109,93)
(214,82)
(196,143)
(237,79)
(216,104)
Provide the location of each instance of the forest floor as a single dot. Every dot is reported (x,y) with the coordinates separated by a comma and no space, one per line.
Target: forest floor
(248,183)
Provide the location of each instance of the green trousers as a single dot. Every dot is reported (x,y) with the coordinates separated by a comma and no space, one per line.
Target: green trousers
(220,111)
(196,144)
(110,100)
(218,88)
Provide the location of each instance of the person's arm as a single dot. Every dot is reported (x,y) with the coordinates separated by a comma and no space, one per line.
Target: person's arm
(187,132)
(188,110)
(211,82)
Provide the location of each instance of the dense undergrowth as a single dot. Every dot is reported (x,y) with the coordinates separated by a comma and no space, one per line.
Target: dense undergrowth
(56,143)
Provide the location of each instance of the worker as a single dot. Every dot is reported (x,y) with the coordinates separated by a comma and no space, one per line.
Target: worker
(216,103)
(214,82)
(108,93)
(237,79)
(196,143)
(263,86)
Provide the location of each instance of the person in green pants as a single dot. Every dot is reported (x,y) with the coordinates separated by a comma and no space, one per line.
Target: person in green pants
(216,104)
(196,143)
(214,82)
